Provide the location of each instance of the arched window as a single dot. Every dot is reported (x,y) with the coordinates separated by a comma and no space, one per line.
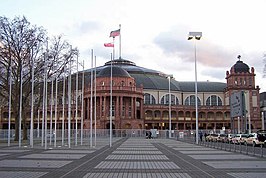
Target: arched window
(190,101)
(213,100)
(149,99)
(165,99)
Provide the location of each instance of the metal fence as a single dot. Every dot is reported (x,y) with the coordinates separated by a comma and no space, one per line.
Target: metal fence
(259,150)
(37,134)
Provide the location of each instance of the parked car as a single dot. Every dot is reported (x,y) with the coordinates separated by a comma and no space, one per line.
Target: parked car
(252,139)
(212,137)
(222,138)
(239,138)
(229,138)
(261,135)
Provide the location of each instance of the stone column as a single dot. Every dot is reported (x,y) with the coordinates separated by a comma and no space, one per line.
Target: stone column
(121,106)
(104,106)
(132,107)
(101,107)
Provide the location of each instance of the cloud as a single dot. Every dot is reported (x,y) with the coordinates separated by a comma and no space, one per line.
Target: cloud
(86,27)
(174,43)
(215,73)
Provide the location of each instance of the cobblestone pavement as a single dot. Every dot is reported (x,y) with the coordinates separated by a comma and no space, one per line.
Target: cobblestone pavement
(128,158)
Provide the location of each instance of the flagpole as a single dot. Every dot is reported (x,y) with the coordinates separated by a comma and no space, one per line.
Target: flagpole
(120,42)
(69,99)
(111,85)
(91,99)
(113,50)
(95,101)
(82,105)
(76,114)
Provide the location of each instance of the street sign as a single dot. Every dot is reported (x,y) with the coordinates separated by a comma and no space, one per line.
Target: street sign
(237,104)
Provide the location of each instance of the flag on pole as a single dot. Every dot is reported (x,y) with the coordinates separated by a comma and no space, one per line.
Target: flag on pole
(108,44)
(115,33)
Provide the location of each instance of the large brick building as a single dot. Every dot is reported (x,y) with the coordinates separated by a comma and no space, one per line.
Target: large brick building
(140,99)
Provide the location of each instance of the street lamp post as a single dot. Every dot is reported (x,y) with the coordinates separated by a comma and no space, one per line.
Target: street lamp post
(170,102)
(196,36)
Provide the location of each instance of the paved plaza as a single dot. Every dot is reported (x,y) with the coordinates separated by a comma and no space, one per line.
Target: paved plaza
(129,158)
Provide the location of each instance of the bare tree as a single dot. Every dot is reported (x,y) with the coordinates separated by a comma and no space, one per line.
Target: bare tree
(23,48)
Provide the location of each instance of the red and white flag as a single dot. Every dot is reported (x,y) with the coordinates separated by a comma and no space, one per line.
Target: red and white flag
(115,33)
(109,45)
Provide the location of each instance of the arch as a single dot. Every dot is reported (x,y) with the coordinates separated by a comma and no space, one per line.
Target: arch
(214,100)
(148,115)
(190,101)
(165,99)
(210,116)
(219,115)
(157,115)
(173,115)
(128,126)
(187,114)
(149,99)
(165,115)
(180,114)
(108,126)
(202,115)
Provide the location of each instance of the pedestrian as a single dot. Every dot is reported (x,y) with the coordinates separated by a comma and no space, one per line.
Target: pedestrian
(201,135)
(205,136)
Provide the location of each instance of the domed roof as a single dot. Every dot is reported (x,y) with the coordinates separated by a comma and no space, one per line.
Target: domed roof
(152,79)
(240,67)
(116,72)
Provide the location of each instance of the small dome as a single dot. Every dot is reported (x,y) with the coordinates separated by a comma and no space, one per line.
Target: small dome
(240,67)
(116,72)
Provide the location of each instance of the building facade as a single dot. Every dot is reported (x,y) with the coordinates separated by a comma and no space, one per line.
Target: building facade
(142,98)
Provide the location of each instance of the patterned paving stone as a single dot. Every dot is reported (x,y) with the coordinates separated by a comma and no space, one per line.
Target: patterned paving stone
(21,174)
(136,165)
(138,152)
(54,156)
(70,151)
(12,151)
(137,149)
(138,175)
(138,157)
(236,164)
(194,149)
(33,163)
(222,157)
(248,175)
(206,152)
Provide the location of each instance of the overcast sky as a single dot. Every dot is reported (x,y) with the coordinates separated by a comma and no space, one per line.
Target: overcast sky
(154,32)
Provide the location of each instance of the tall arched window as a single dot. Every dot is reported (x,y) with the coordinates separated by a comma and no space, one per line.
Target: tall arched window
(190,101)
(165,99)
(149,99)
(214,100)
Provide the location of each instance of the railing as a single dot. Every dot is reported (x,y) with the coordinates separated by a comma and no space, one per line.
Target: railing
(37,134)
(259,150)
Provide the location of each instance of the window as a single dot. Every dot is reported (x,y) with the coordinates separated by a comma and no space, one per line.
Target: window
(165,99)
(213,100)
(129,110)
(236,81)
(190,101)
(149,99)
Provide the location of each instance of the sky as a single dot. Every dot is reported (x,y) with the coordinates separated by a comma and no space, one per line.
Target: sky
(154,32)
